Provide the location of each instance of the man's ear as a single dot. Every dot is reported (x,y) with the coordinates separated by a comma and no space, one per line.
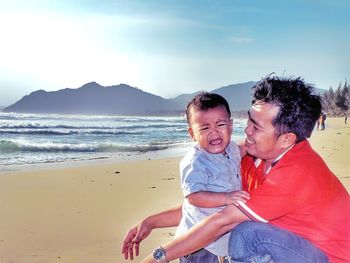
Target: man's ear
(190,132)
(288,139)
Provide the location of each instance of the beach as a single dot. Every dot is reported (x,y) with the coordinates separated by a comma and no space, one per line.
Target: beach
(81,214)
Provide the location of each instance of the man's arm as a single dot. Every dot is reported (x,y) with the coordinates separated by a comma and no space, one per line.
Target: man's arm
(135,235)
(213,199)
(202,234)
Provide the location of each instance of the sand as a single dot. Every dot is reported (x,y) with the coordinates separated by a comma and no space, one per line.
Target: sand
(81,214)
(333,144)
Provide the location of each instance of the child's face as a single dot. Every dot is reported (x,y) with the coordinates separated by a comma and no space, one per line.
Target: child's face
(211,129)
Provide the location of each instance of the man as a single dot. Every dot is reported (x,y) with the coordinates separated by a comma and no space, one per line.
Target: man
(298,210)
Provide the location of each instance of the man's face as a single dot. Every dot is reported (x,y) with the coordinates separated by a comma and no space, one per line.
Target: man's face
(261,140)
(211,129)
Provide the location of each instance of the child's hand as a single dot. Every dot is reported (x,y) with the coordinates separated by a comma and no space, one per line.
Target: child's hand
(233,197)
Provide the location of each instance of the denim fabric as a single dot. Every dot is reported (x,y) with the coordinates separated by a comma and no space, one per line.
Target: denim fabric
(263,243)
(200,256)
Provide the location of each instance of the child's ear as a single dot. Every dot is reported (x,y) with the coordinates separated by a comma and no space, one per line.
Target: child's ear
(190,132)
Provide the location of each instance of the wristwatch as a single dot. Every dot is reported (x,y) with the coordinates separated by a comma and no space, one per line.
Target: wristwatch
(159,255)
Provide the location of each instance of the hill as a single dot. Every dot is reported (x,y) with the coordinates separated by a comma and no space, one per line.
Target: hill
(122,99)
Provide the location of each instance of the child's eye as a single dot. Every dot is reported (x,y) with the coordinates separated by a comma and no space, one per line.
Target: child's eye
(222,124)
(203,128)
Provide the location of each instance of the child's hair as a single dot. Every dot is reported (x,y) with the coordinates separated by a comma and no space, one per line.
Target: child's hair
(205,101)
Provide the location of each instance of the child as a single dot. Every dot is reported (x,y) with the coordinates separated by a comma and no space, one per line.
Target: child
(210,171)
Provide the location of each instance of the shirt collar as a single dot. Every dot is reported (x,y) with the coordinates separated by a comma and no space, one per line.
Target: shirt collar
(258,161)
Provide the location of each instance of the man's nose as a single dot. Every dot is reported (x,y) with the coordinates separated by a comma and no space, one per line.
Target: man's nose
(248,129)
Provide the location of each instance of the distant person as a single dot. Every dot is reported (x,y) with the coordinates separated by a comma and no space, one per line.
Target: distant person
(298,209)
(346,119)
(323,124)
(323,118)
(210,172)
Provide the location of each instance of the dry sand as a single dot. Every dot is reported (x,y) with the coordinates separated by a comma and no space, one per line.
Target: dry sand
(333,144)
(82,214)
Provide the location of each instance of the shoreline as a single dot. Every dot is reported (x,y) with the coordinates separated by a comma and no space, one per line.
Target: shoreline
(80,213)
(126,157)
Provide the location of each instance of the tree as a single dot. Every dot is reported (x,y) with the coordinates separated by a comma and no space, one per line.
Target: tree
(337,103)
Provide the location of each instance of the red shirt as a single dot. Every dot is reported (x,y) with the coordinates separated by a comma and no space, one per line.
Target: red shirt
(302,195)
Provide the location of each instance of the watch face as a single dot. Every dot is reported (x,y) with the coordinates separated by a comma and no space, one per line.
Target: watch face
(158,253)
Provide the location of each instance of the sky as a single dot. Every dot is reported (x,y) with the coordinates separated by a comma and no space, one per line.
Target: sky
(169,47)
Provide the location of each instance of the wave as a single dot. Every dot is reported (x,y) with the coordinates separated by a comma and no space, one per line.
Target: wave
(153,119)
(66,132)
(8,146)
(87,118)
(43,116)
(25,146)
(42,126)
(10,126)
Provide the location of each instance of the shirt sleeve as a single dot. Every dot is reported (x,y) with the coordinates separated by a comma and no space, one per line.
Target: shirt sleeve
(275,197)
(193,178)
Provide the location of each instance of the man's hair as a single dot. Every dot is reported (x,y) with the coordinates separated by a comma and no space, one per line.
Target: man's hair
(205,101)
(299,106)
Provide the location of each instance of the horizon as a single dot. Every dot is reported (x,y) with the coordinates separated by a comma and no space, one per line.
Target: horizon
(169,48)
(175,96)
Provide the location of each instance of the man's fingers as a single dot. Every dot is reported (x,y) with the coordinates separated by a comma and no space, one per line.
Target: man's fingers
(131,243)
(126,255)
(125,247)
(128,246)
(129,236)
(137,248)
(131,251)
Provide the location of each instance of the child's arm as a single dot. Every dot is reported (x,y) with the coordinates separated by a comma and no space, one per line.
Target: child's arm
(214,199)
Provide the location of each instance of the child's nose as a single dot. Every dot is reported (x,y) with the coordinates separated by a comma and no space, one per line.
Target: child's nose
(214,130)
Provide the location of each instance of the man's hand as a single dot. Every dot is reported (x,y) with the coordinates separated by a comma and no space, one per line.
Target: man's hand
(133,238)
(167,218)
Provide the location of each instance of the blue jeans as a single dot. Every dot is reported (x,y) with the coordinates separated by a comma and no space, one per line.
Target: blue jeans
(202,255)
(263,243)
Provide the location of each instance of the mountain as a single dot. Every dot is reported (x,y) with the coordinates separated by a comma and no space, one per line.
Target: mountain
(122,99)
(237,95)
(91,98)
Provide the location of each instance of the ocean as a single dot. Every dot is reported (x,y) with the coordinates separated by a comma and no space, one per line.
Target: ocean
(35,139)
